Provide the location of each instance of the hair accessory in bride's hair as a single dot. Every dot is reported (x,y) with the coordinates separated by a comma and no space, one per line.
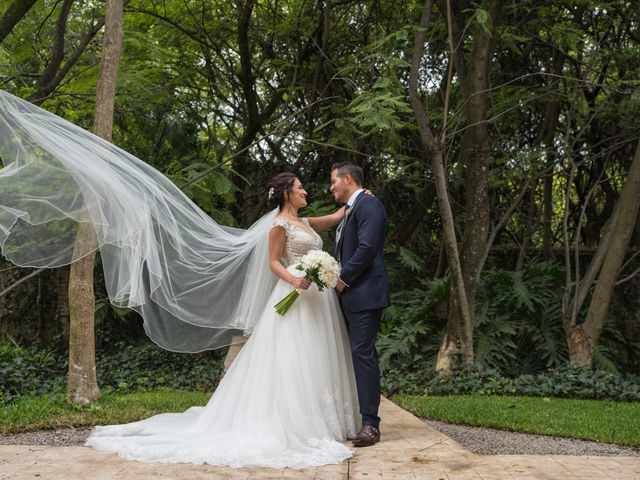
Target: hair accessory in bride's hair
(271,192)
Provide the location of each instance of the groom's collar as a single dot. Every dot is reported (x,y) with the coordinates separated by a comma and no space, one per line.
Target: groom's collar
(353,197)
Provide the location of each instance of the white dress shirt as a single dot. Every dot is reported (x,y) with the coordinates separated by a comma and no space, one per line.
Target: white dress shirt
(353,196)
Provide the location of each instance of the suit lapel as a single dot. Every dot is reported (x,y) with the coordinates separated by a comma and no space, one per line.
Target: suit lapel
(346,222)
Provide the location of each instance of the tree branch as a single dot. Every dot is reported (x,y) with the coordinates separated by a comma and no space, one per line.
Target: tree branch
(16,11)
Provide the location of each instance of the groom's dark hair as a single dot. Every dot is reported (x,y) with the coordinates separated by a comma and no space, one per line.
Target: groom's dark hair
(354,170)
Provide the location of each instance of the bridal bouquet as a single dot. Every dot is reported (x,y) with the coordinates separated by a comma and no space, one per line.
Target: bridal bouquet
(320,268)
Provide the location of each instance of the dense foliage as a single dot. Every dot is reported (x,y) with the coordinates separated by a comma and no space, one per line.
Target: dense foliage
(28,371)
(519,342)
(126,367)
(518,325)
(221,95)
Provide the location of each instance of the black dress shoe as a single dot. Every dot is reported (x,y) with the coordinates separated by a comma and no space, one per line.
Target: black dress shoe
(367,436)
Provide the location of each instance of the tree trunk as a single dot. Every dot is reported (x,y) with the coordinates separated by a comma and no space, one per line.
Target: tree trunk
(461,327)
(83,387)
(46,82)
(546,135)
(528,229)
(474,154)
(320,71)
(580,347)
(56,71)
(547,216)
(450,345)
(434,150)
(13,15)
(237,342)
(582,339)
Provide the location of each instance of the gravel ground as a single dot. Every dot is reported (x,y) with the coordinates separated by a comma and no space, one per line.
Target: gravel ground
(482,441)
(61,437)
(485,441)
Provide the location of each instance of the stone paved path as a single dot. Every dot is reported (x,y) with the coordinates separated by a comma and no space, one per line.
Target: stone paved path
(409,450)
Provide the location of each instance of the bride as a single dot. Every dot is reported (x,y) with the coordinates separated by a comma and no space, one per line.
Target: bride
(290,396)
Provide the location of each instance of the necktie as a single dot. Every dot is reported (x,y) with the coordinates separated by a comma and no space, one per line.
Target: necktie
(342,223)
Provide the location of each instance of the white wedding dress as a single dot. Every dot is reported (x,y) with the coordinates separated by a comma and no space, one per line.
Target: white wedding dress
(287,400)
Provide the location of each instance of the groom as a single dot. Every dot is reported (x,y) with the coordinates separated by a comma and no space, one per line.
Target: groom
(363,287)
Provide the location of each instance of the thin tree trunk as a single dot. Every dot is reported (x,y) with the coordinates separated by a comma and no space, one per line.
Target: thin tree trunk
(56,71)
(46,83)
(16,11)
(474,154)
(434,150)
(547,215)
(528,230)
(442,261)
(572,305)
(83,387)
(320,66)
(546,136)
(583,338)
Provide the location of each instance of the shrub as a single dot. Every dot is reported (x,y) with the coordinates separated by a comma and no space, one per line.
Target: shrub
(27,371)
(518,324)
(147,366)
(563,382)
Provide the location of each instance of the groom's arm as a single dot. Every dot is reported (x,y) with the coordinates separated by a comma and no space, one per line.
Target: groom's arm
(371,228)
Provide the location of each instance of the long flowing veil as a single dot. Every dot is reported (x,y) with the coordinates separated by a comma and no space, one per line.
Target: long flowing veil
(194,282)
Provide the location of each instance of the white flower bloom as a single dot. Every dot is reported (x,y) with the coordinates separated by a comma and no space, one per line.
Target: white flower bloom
(328,269)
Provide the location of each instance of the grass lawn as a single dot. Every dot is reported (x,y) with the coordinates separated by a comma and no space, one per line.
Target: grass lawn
(45,412)
(610,422)
(604,421)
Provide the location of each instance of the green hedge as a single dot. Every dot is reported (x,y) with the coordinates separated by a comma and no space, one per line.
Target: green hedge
(565,382)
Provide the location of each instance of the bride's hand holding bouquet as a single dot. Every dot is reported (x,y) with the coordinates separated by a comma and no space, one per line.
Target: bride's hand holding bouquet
(319,268)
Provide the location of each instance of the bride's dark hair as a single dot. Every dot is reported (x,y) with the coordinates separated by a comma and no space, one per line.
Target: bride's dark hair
(283,182)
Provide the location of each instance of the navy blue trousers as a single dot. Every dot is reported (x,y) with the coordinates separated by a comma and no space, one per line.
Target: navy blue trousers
(363,328)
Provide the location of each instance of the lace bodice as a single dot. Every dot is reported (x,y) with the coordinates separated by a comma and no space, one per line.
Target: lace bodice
(300,239)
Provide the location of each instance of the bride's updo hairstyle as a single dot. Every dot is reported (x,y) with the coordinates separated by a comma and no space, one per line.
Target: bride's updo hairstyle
(283,182)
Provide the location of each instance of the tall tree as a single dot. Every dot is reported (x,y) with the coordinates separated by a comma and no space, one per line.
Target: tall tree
(473,70)
(433,147)
(582,338)
(82,386)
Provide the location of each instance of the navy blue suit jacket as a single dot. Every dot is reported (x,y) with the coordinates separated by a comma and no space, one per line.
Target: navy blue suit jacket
(361,254)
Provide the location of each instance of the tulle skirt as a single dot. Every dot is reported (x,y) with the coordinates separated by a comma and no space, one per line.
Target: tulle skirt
(287,400)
